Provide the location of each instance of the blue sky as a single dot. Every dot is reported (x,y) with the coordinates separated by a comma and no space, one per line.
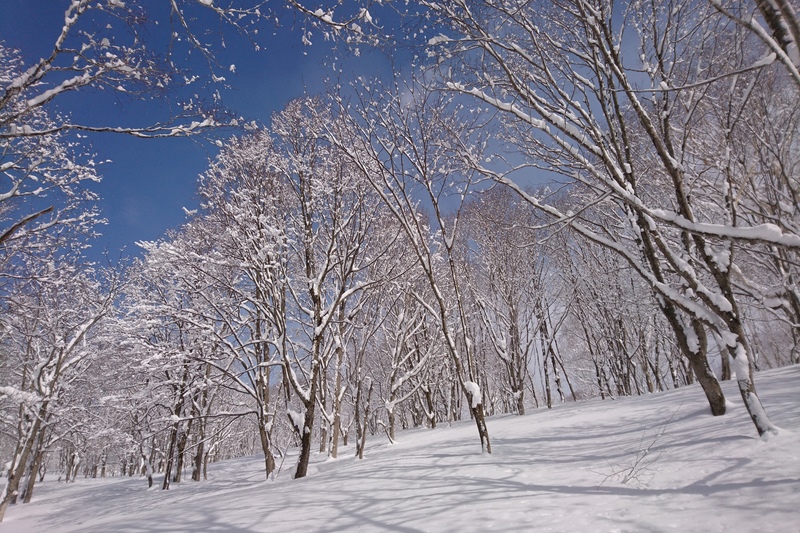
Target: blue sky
(148,181)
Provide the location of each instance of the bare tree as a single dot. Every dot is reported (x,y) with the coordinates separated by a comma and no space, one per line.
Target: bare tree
(332,217)
(508,282)
(580,103)
(782,34)
(406,140)
(48,333)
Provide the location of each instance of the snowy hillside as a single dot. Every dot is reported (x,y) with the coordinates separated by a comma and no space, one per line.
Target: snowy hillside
(558,470)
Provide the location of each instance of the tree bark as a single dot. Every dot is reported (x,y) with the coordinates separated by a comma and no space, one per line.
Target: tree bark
(32,475)
(337,394)
(308,419)
(266,447)
(23,451)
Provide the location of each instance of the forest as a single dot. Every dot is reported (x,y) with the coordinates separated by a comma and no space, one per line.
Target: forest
(553,201)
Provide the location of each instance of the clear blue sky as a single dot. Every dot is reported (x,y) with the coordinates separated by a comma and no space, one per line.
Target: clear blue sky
(148,182)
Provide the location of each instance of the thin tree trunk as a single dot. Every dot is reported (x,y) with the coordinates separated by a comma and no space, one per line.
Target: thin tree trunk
(557,377)
(725,362)
(599,381)
(548,396)
(28,494)
(266,448)
(197,461)
(480,421)
(308,419)
(184,438)
(323,400)
(337,393)
(17,470)
(363,442)
(33,470)
(168,467)
(430,411)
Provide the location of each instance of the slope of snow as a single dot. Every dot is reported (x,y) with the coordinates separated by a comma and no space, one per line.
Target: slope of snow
(558,470)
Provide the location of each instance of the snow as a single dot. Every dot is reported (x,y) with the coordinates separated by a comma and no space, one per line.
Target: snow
(474,391)
(433,41)
(71,83)
(297,419)
(18,396)
(325,16)
(691,338)
(365,14)
(552,470)
(766,232)
(741,363)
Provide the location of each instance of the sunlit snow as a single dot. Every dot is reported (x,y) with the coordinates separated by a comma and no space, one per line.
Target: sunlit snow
(573,468)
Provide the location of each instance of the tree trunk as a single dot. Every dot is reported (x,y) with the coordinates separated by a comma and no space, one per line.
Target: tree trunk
(480,421)
(35,462)
(725,362)
(557,378)
(363,437)
(75,469)
(520,397)
(337,418)
(68,462)
(308,422)
(22,453)
(754,408)
(323,400)
(391,417)
(168,467)
(548,396)
(147,461)
(266,448)
(708,381)
(698,358)
(599,380)
(197,460)
(337,393)
(747,388)
(184,438)
(431,409)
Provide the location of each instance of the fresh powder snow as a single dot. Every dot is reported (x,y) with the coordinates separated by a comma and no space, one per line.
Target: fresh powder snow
(658,462)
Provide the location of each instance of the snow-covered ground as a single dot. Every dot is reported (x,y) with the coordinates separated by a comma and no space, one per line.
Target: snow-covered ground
(557,470)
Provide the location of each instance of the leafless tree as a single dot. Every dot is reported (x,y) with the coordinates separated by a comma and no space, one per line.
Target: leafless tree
(48,338)
(405,140)
(580,102)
